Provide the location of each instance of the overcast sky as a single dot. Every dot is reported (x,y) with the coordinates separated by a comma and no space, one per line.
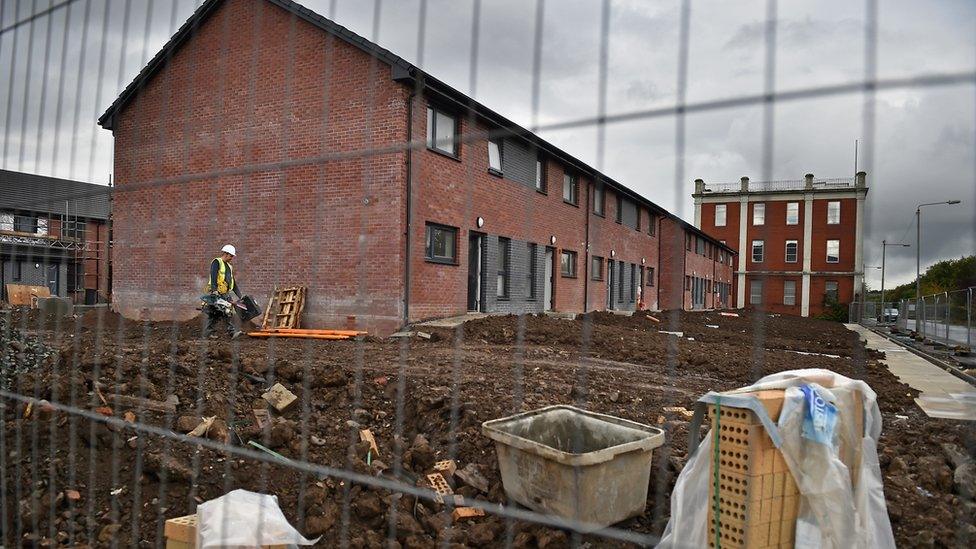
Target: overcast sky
(923,147)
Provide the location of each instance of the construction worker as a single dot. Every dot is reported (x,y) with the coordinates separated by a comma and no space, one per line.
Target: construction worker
(221,284)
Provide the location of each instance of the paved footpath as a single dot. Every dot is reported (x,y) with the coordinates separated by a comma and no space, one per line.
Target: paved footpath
(943,395)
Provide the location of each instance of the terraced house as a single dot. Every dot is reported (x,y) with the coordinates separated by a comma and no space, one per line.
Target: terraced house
(332,162)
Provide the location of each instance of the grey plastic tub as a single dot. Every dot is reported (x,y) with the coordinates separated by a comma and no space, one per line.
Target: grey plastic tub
(578,465)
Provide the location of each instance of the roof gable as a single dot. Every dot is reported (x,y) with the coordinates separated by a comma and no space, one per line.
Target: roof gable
(187,30)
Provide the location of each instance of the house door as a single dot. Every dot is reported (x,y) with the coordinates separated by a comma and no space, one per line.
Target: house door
(610,277)
(548,295)
(53,278)
(476,243)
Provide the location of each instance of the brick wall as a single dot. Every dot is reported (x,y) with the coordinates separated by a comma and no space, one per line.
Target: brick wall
(678,263)
(258,85)
(775,232)
(843,231)
(457,191)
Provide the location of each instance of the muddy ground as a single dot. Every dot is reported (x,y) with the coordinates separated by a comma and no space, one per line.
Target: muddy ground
(70,480)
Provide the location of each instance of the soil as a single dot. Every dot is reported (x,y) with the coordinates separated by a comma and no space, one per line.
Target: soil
(70,480)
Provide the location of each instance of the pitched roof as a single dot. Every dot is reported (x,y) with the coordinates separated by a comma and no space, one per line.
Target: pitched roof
(50,195)
(404,72)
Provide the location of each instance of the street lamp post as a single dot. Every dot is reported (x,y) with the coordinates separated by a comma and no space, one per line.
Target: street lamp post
(918,254)
(884,248)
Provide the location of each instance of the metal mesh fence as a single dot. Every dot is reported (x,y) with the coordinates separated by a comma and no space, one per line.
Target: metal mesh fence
(113,424)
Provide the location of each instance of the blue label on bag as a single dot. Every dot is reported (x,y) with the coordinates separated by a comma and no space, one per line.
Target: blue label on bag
(820,418)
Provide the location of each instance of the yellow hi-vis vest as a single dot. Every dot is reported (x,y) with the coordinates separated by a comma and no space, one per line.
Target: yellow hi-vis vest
(225,277)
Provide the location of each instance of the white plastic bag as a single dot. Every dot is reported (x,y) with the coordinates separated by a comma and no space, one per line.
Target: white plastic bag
(245,519)
(831,514)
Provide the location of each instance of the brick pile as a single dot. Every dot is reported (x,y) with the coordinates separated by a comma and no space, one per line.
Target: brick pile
(757,499)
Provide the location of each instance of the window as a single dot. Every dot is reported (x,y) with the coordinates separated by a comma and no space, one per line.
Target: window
(620,208)
(72,229)
(442,131)
(504,267)
(699,246)
(792,213)
(25,224)
(596,268)
(441,244)
(599,200)
(789,292)
(495,156)
(758,250)
(720,215)
(17,266)
(6,221)
(533,270)
(637,226)
(688,238)
(791,247)
(833,212)
(540,175)
(571,189)
(833,251)
(650,276)
(830,291)
(758,214)
(755,292)
(651,224)
(567,264)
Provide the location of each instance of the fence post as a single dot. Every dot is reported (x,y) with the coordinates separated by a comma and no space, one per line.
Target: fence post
(969,317)
(923,317)
(948,310)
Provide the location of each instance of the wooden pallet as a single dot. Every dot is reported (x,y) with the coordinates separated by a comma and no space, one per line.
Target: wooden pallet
(284,308)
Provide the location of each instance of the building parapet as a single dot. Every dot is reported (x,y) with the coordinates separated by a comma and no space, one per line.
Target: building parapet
(808,183)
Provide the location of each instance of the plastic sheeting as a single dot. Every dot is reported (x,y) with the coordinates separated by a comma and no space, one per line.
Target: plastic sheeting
(832,514)
(245,519)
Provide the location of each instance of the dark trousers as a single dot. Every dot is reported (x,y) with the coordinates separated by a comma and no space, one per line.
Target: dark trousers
(215,317)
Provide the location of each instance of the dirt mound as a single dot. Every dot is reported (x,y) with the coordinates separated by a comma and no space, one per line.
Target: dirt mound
(423,400)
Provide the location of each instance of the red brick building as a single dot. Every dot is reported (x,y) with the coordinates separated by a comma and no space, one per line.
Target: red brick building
(55,233)
(799,242)
(331,162)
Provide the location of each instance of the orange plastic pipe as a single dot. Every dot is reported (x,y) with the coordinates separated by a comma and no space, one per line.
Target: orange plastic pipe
(313,331)
(308,336)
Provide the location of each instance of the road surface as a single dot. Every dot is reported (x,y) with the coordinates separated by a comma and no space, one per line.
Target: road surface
(937,331)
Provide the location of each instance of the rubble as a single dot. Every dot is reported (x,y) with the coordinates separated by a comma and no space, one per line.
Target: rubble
(472,477)
(626,351)
(279,397)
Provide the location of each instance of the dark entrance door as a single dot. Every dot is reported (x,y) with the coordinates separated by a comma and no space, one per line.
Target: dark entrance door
(549,294)
(610,285)
(53,278)
(476,242)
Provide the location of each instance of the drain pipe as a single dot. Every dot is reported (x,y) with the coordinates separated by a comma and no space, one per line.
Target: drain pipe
(418,86)
(586,251)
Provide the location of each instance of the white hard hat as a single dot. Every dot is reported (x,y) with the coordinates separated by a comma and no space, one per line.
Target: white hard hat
(229,248)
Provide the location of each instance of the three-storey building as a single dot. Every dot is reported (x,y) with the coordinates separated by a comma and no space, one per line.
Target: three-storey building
(799,242)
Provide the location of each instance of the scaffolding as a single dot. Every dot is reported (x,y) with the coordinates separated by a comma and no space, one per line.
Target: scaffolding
(61,237)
